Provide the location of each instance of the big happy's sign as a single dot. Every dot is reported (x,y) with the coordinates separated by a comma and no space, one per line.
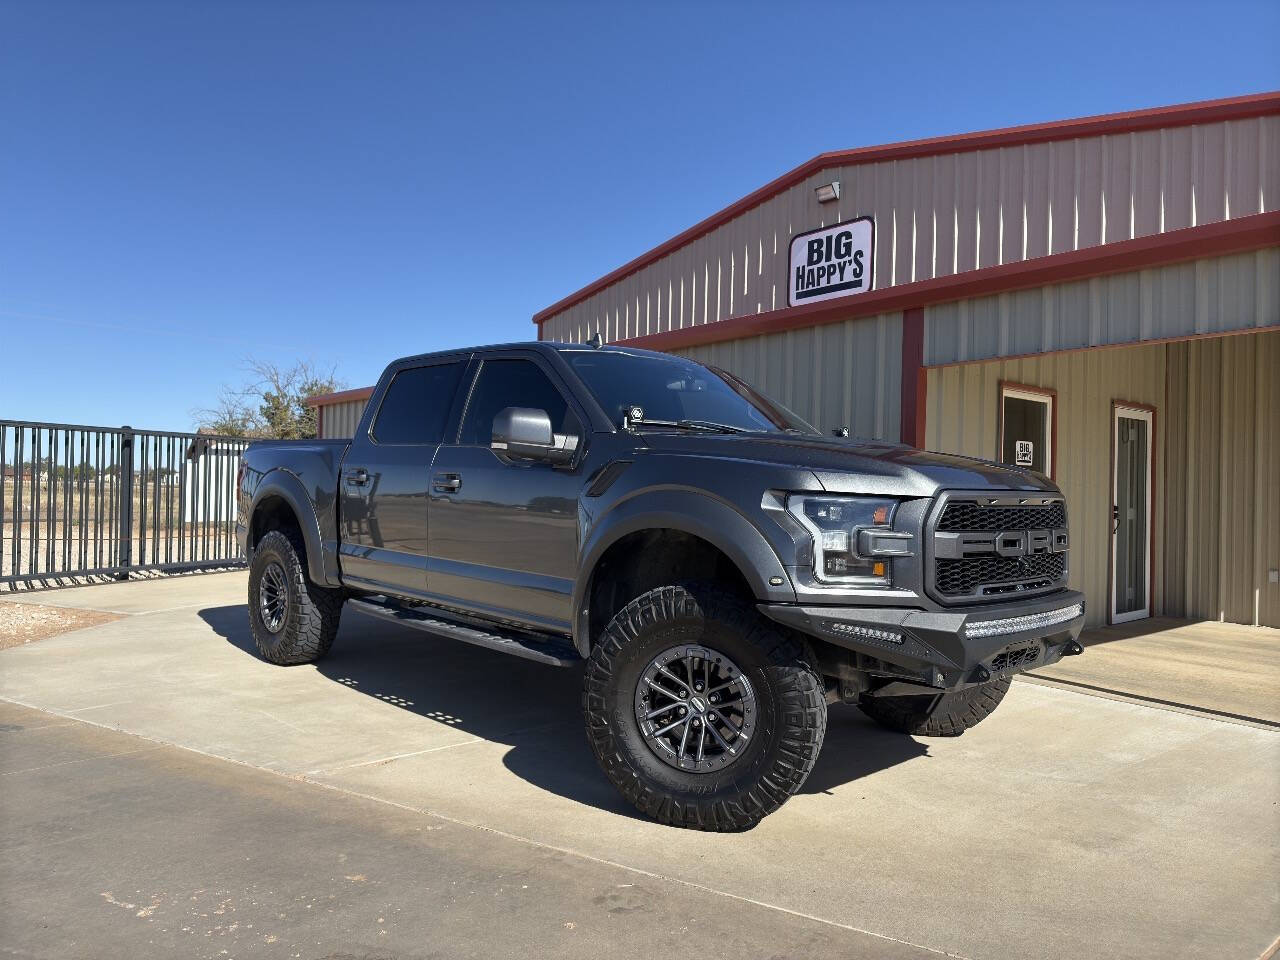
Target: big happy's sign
(831,262)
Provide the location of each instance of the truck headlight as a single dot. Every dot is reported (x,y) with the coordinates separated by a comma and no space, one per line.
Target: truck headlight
(834,523)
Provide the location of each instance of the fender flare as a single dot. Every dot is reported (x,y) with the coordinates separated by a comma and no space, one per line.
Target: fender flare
(702,516)
(283,484)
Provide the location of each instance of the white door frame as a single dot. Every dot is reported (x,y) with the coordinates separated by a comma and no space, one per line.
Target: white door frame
(1145,414)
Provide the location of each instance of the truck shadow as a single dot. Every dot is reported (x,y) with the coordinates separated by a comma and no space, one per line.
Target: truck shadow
(534,708)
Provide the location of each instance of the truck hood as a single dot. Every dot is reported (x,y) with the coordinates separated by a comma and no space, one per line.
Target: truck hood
(855,465)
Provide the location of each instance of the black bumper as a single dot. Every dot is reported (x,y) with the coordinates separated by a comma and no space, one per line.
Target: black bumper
(945,649)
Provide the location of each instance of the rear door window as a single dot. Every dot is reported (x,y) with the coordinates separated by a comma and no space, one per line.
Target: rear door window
(416,406)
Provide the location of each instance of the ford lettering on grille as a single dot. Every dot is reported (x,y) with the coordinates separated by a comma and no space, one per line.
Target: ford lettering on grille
(986,548)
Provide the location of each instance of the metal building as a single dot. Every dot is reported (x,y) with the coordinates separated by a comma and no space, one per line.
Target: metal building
(1096,298)
(338,414)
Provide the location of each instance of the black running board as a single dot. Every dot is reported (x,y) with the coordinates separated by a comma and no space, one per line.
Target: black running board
(430,620)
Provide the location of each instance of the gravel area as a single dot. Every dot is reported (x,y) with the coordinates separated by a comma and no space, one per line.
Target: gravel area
(22,623)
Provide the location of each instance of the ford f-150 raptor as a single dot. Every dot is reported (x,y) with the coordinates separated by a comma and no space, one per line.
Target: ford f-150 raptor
(724,569)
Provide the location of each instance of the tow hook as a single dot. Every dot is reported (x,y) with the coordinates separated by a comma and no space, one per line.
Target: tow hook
(1073,649)
(980,674)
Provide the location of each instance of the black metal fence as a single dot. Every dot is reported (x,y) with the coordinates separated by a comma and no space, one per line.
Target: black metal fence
(79,501)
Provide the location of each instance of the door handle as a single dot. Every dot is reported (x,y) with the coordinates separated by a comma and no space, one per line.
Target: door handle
(358,477)
(446,482)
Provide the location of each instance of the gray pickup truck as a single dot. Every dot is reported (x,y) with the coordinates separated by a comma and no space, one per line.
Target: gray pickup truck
(720,569)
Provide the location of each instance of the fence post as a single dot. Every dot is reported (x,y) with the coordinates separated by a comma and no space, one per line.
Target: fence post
(124,490)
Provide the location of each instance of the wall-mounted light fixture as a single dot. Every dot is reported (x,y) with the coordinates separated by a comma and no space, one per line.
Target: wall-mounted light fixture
(828,192)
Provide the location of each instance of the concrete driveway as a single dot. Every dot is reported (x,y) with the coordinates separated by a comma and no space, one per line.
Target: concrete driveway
(1067,825)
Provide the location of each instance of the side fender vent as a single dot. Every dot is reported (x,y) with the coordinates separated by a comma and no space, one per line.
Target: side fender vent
(608,473)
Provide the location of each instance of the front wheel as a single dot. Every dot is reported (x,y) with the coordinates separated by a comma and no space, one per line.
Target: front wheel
(701,712)
(937,715)
(293,620)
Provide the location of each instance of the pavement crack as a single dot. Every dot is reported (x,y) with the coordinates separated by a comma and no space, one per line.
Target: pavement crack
(67,763)
(99,706)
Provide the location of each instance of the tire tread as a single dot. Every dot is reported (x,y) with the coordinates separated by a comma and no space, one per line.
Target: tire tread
(312,627)
(802,708)
(952,715)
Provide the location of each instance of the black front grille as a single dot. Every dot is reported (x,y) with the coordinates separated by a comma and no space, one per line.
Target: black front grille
(970,517)
(959,578)
(1018,657)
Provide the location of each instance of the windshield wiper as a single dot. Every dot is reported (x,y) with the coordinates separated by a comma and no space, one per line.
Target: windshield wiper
(710,426)
(713,425)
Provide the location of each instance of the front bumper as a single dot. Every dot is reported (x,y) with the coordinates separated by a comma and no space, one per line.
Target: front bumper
(944,649)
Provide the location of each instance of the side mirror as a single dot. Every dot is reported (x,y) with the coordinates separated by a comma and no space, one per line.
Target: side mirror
(525,433)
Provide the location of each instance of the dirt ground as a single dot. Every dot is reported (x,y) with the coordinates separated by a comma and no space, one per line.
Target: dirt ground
(22,623)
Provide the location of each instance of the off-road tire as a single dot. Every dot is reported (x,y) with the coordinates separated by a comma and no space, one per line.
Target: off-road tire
(312,613)
(789,691)
(950,716)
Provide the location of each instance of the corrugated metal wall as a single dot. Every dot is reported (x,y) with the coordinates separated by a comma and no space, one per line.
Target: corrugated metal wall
(1223,525)
(841,375)
(1217,433)
(946,214)
(341,419)
(1202,296)
(963,406)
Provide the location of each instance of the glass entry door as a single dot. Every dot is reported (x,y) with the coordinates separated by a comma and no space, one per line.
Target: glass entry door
(1131,514)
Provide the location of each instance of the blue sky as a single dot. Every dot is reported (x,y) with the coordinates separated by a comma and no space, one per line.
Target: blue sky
(186,185)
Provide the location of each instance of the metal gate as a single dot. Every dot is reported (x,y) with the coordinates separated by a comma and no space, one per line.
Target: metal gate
(80,501)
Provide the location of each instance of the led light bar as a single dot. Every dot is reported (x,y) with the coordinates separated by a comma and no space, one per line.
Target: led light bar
(865,633)
(1032,621)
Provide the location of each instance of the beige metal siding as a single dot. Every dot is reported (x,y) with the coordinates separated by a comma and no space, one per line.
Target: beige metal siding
(841,375)
(1223,528)
(1266,472)
(946,214)
(341,419)
(1217,461)
(1212,295)
(963,406)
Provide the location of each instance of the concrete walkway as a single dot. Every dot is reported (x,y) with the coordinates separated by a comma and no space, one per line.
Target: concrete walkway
(1067,825)
(1222,668)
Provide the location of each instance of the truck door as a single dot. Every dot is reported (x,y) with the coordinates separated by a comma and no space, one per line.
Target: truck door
(503,535)
(383,483)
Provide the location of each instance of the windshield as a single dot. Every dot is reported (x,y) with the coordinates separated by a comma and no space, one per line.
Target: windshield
(679,391)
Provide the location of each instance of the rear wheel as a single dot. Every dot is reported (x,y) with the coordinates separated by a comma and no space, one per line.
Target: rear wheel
(701,712)
(940,715)
(293,620)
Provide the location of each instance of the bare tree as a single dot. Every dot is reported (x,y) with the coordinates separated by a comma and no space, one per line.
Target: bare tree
(272,403)
(229,416)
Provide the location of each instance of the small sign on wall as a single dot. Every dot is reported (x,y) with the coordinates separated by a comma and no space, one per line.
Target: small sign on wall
(832,262)
(1024,453)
